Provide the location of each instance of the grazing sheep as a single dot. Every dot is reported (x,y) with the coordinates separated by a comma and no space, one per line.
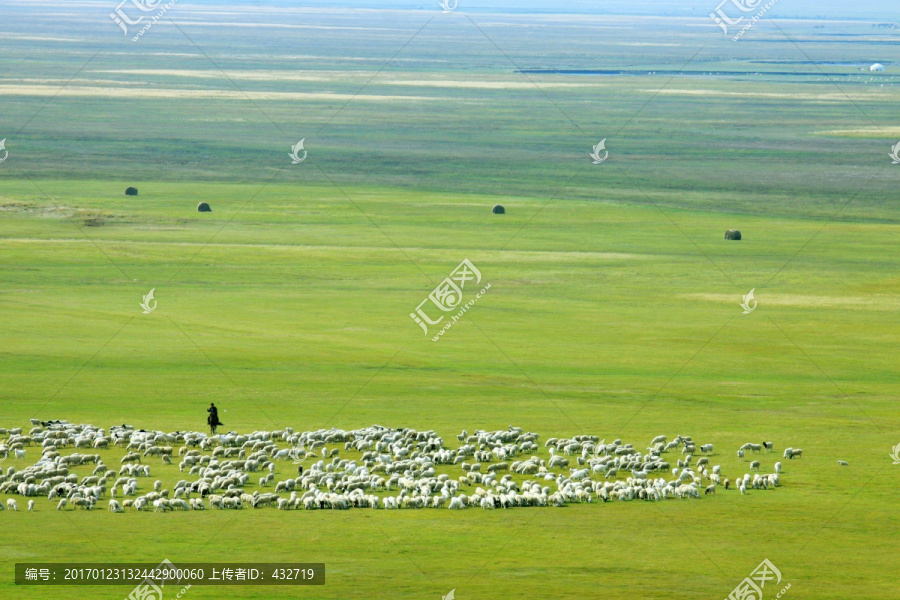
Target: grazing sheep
(11,504)
(843,463)
(798,453)
(405,460)
(769,446)
(31,506)
(131,457)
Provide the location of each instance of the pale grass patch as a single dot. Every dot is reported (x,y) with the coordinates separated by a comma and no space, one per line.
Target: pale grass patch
(505,256)
(874,302)
(334,76)
(833,97)
(127,92)
(869,132)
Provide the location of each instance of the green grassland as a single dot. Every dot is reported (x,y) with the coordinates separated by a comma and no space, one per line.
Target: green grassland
(613,308)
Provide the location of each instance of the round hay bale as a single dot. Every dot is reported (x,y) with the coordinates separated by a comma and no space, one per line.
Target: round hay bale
(203,207)
(499,210)
(131,191)
(732,234)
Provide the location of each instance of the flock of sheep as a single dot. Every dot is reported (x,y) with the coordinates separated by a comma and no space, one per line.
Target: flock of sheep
(391,469)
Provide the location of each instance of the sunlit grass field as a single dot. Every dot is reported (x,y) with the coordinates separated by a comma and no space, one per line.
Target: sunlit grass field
(601,319)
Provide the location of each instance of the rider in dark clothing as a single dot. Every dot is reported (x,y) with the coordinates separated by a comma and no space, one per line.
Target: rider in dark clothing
(213,418)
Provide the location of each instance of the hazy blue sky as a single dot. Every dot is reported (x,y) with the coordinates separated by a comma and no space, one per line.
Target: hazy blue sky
(887,10)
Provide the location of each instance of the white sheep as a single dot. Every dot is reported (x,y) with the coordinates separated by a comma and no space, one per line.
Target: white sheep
(115,507)
(778,467)
(31,506)
(11,504)
(843,463)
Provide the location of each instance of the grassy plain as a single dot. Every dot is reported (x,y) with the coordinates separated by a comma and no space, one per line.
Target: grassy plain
(614,300)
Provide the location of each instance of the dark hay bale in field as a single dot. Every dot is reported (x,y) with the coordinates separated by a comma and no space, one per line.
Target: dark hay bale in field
(732,234)
(203,207)
(131,191)
(499,210)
